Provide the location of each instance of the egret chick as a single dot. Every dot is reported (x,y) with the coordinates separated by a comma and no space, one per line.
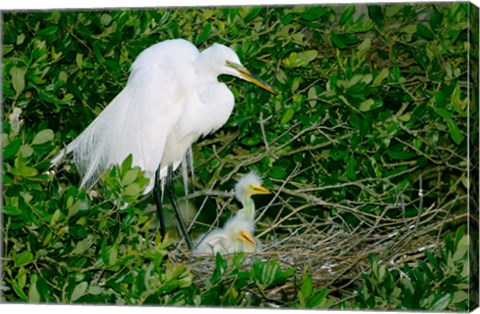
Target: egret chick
(247,186)
(233,237)
(237,234)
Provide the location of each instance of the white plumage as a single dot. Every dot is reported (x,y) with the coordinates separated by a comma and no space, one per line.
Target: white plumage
(237,233)
(233,237)
(172,97)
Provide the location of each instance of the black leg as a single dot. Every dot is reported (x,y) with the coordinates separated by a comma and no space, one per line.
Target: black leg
(157,195)
(178,214)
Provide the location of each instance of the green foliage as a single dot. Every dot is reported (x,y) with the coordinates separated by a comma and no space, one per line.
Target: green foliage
(310,297)
(439,283)
(232,284)
(125,184)
(69,247)
(373,107)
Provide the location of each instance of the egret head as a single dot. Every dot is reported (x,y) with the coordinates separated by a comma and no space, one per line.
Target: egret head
(248,185)
(239,231)
(225,61)
(235,236)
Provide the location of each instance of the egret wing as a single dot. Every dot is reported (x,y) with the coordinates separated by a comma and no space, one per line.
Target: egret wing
(139,120)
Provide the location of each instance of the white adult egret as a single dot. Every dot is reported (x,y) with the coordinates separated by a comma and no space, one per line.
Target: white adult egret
(237,233)
(172,97)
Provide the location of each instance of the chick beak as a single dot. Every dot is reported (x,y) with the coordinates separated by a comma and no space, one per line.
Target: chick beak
(257,189)
(248,76)
(246,237)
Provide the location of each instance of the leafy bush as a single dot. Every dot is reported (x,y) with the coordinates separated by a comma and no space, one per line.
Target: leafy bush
(367,145)
(437,284)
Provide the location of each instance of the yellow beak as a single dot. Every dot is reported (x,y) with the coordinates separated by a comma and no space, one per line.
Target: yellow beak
(257,189)
(246,237)
(246,75)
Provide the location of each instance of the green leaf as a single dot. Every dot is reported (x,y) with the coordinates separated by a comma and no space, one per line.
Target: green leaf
(249,13)
(462,249)
(454,132)
(435,20)
(433,260)
(204,35)
(11,210)
(56,215)
(33,294)
(351,169)
(112,256)
(49,30)
(252,140)
(220,266)
(21,277)
(20,39)
(23,170)
(130,176)
(73,209)
(301,300)
(318,299)
(22,259)
(355,120)
(313,13)
(346,14)
(366,105)
(338,41)
(82,246)
(375,13)
(26,150)
(133,189)
(18,79)
(43,136)
(364,47)
(381,76)
(287,116)
(79,60)
(312,94)
(443,113)
(442,302)
(277,172)
(342,41)
(95,290)
(299,59)
(307,286)
(459,296)
(396,74)
(408,29)
(19,291)
(105,19)
(425,31)
(79,291)
(127,163)
(11,149)
(440,99)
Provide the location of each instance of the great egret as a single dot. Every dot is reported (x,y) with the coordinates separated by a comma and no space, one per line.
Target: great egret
(172,97)
(237,233)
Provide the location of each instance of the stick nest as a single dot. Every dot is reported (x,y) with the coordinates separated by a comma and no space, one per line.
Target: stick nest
(335,253)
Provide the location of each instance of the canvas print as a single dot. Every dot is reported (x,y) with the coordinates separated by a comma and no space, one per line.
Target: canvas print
(317,156)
